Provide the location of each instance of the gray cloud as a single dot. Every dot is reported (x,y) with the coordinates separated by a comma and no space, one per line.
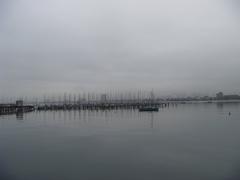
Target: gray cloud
(172,46)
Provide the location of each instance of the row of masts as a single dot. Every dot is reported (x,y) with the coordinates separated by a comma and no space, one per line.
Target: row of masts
(82,98)
(85,102)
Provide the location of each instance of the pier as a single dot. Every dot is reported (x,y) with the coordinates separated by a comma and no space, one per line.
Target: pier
(15,108)
(102,106)
(20,108)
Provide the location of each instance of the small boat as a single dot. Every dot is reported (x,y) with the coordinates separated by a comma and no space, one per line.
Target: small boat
(150,108)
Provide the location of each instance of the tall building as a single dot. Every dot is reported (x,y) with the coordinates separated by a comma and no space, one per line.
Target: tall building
(219,95)
(19,103)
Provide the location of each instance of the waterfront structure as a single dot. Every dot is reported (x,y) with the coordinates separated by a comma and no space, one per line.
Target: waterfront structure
(15,108)
(219,95)
(19,103)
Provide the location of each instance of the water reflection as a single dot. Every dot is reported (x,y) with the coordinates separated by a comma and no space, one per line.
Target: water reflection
(220,106)
(190,142)
(19,115)
(104,119)
(124,118)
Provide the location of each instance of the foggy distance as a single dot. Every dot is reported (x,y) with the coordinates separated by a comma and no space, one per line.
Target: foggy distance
(173,47)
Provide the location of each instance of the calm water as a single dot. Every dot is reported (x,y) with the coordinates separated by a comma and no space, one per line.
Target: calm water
(185,142)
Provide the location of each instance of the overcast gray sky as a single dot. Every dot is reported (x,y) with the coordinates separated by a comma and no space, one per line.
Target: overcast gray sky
(172,46)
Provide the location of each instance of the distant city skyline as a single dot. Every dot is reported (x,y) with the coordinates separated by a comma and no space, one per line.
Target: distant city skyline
(174,47)
(115,96)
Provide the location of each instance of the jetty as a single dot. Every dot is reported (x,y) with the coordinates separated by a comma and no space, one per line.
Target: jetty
(101,106)
(15,108)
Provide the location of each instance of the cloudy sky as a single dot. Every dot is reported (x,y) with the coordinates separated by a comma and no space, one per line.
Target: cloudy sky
(172,46)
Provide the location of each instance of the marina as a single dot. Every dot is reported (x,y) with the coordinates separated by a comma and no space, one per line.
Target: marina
(142,106)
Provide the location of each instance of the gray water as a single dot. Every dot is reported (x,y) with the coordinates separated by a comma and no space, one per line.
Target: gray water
(184,142)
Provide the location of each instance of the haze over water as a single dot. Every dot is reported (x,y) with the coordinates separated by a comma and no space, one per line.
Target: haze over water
(71,54)
(188,141)
(174,47)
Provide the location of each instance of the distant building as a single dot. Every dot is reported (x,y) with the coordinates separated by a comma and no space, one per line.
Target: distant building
(103,98)
(19,103)
(219,95)
(205,98)
(231,97)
